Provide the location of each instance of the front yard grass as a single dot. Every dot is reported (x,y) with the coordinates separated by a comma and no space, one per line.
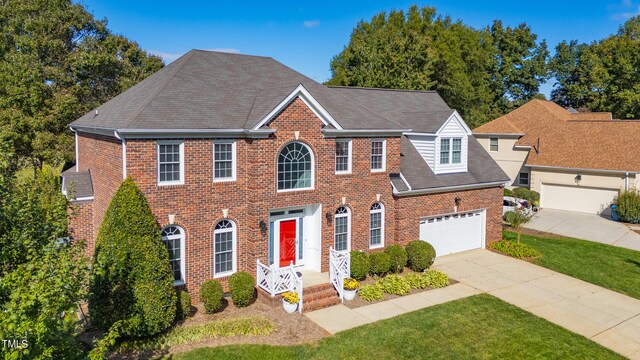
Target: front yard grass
(481,326)
(611,267)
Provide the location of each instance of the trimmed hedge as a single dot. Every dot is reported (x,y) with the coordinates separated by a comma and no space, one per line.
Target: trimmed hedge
(526,194)
(379,263)
(242,286)
(359,265)
(131,281)
(629,206)
(397,256)
(211,295)
(183,305)
(421,255)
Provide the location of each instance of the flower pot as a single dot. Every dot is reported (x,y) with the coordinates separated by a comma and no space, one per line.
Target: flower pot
(288,307)
(349,294)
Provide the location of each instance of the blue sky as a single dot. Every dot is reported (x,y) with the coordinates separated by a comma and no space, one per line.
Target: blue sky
(306,35)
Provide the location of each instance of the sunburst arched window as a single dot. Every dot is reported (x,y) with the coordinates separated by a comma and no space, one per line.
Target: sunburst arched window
(295,167)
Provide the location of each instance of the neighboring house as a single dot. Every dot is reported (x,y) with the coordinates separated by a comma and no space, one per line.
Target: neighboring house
(576,161)
(243,160)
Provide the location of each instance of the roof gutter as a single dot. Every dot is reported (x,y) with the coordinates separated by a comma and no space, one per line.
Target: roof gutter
(583,169)
(172,133)
(335,133)
(451,188)
(497,134)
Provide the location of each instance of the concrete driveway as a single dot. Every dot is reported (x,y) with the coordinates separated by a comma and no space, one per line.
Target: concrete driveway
(585,226)
(604,316)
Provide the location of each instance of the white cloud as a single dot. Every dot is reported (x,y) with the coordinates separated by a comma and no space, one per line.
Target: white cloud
(624,10)
(169,57)
(311,23)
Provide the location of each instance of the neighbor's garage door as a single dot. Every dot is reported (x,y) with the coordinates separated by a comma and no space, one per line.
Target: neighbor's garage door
(453,233)
(576,198)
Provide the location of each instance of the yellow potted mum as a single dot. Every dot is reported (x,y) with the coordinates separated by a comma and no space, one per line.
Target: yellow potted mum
(350,288)
(290,301)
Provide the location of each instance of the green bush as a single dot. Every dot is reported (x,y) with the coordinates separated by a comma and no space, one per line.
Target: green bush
(397,257)
(379,263)
(417,280)
(508,192)
(420,254)
(371,292)
(395,285)
(131,281)
(436,278)
(242,286)
(183,305)
(629,206)
(524,193)
(359,265)
(211,295)
(515,249)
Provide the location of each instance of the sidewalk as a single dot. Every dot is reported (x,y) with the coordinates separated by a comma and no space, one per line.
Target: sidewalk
(339,317)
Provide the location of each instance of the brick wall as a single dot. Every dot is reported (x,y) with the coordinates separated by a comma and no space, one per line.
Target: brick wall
(411,209)
(81,224)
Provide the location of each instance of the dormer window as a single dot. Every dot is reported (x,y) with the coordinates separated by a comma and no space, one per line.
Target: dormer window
(450,151)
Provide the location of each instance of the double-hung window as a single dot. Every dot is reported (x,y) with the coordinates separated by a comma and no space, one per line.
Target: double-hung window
(378,155)
(343,156)
(173,238)
(224,248)
(493,144)
(342,229)
(450,151)
(376,225)
(524,178)
(224,160)
(170,162)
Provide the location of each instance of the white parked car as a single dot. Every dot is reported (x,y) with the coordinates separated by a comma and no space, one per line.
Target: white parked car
(510,203)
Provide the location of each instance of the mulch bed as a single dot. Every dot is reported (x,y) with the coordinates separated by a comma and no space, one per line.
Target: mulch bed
(290,329)
(359,302)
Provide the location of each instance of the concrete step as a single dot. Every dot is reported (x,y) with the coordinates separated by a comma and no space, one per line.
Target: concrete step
(314,297)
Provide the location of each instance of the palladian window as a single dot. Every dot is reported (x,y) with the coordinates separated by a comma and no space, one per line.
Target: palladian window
(295,167)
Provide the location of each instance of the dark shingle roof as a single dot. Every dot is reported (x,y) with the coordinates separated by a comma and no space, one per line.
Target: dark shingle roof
(212,90)
(481,168)
(77,185)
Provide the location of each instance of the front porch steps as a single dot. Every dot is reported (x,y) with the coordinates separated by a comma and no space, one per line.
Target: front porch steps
(314,297)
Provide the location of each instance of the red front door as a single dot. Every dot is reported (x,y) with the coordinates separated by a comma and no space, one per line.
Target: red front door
(287,242)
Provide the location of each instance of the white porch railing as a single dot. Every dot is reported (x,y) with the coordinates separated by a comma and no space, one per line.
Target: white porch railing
(278,280)
(339,269)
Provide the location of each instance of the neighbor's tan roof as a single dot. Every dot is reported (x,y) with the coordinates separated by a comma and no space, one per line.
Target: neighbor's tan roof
(561,138)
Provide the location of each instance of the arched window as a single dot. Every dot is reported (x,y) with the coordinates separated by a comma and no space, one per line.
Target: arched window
(342,229)
(376,225)
(224,248)
(173,238)
(295,167)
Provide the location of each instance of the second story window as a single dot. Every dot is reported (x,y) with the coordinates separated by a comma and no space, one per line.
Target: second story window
(444,151)
(295,167)
(456,151)
(450,151)
(378,156)
(493,144)
(170,162)
(224,160)
(343,156)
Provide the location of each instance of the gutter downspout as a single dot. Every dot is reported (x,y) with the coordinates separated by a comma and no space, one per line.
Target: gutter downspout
(124,154)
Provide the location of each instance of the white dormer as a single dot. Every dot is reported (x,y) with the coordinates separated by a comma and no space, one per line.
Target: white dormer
(445,151)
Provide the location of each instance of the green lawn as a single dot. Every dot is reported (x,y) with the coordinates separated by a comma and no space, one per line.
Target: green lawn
(608,266)
(478,327)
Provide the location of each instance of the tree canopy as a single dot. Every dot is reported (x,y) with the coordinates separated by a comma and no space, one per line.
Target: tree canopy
(483,73)
(56,63)
(602,75)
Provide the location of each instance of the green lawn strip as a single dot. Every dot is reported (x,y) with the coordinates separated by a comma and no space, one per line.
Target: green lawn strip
(477,327)
(604,265)
(191,334)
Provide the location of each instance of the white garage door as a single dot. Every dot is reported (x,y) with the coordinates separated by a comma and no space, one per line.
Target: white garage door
(576,198)
(454,233)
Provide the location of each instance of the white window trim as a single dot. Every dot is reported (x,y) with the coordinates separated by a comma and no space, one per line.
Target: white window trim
(349,161)
(182,174)
(313,169)
(348,216)
(382,227)
(183,235)
(384,155)
(520,178)
(450,163)
(497,144)
(234,242)
(233,161)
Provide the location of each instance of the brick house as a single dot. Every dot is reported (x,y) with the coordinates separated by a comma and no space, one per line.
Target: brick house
(243,159)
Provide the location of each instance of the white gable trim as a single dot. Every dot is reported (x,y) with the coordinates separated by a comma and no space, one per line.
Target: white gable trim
(309,100)
(457,118)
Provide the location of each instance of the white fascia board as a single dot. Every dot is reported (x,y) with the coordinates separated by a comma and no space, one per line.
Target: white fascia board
(456,117)
(503,135)
(309,100)
(190,133)
(605,171)
(451,188)
(335,133)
